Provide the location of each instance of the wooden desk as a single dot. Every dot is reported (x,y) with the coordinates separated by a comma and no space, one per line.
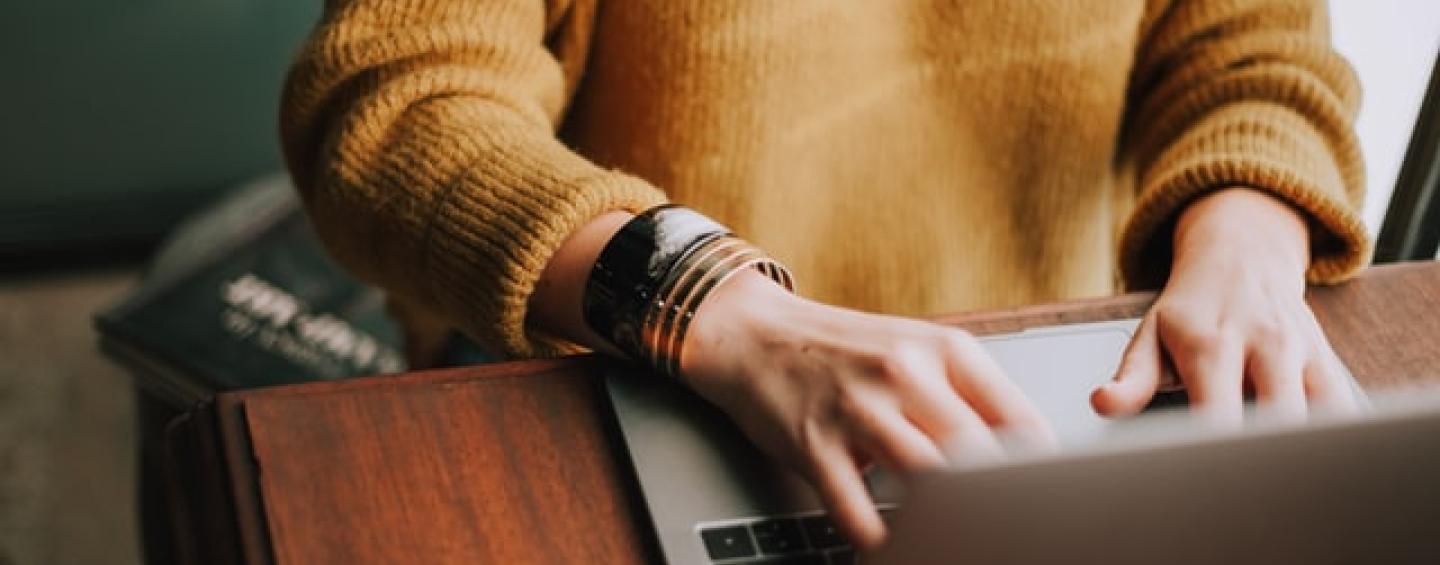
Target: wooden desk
(518,462)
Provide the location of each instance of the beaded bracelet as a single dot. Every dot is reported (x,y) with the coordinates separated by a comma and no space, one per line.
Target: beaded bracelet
(654,274)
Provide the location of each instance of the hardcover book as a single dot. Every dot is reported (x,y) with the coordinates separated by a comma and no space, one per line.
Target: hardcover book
(245,296)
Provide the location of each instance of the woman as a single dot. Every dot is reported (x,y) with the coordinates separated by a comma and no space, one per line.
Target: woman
(480,159)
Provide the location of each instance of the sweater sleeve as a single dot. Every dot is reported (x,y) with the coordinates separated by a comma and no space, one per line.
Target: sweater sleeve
(421,136)
(1243,93)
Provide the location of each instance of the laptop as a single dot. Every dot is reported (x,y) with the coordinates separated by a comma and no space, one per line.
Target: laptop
(714,498)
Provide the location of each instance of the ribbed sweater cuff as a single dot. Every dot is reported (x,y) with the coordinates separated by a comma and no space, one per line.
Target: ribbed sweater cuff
(485,253)
(1254,145)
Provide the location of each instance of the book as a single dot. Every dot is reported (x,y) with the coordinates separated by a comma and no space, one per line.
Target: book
(243,295)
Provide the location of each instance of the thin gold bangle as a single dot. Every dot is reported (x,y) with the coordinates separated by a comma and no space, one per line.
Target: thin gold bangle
(668,325)
(704,279)
(668,294)
(688,315)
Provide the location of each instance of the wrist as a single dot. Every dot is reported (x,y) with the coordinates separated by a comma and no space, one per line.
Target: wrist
(556,306)
(1242,227)
(653,275)
(746,305)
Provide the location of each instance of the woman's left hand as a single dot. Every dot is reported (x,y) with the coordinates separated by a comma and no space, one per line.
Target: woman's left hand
(1232,315)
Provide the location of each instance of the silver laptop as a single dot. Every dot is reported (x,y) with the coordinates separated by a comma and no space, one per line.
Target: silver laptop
(715,499)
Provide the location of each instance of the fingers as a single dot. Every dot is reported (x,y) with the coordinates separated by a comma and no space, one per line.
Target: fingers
(971,441)
(956,429)
(996,401)
(842,490)
(1278,375)
(1138,376)
(1212,367)
(1287,362)
(1328,386)
(910,428)
(920,398)
(891,438)
(1215,363)
(1327,382)
(934,404)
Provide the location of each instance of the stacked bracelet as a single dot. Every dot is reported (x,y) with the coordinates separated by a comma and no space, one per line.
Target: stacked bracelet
(653,275)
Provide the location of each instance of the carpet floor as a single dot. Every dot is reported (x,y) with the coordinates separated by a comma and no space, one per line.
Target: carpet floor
(67,438)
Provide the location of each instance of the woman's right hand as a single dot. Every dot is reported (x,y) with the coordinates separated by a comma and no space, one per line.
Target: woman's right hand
(830,390)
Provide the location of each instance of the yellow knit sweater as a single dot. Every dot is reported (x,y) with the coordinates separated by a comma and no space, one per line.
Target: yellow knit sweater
(905,156)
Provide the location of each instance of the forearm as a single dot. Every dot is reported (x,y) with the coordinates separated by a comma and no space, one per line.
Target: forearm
(556,307)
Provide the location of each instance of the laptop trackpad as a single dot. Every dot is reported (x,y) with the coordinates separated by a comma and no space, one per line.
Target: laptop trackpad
(1058,367)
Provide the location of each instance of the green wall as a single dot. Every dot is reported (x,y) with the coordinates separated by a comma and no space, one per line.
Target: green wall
(141,108)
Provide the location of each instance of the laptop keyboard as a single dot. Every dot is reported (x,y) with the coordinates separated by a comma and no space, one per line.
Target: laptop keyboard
(805,539)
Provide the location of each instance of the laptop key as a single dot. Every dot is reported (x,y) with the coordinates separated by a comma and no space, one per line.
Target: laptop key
(780,535)
(806,559)
(728,542)
(822,532)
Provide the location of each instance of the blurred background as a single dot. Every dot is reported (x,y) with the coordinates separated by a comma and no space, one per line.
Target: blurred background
(117,119)
(121,118)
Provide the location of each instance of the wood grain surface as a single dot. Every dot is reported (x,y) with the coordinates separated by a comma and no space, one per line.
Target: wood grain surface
(518,462)
(500,470)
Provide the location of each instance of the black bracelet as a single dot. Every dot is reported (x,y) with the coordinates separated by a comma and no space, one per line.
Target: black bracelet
(628,272)
(653,275)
